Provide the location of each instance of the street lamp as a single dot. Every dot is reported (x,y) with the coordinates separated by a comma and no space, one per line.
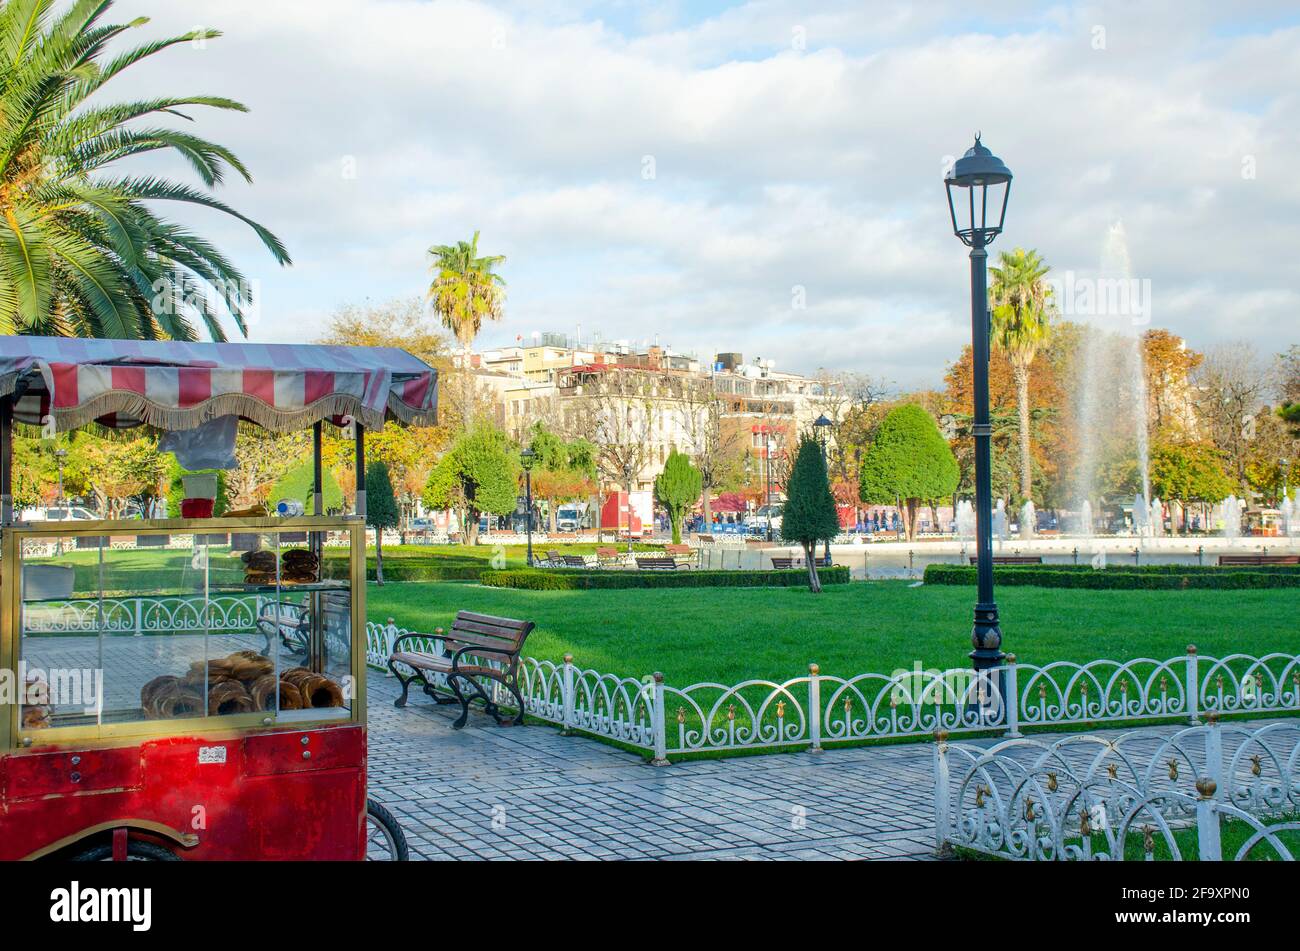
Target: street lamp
(59,456)
(627,481)
(767,477)
(528,457)
(978,188)
(823,425)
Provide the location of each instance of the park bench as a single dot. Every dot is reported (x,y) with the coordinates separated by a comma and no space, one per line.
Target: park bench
(684,554)
(705,539)
(478,647)
(608,557)
(1259,559)
(1013,560)
(656,563)
(782,564)
(573,561)
(553,558)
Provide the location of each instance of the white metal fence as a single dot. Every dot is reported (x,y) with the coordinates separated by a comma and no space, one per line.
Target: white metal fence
(144,615)
(816,708)
(1132,797)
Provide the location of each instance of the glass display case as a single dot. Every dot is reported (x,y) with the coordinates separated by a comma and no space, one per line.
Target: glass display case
(154,627)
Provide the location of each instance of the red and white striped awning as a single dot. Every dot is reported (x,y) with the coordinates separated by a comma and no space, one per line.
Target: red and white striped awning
(175,386)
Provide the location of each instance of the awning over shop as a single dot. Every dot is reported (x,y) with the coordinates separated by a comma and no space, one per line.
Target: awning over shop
(174,386)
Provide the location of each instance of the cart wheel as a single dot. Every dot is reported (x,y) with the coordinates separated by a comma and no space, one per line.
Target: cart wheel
(135,852)
(385,841)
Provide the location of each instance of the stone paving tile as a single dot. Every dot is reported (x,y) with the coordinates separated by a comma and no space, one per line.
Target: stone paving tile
(503,793)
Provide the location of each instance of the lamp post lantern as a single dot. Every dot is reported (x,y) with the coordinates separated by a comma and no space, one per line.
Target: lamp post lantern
(627,482)
(823,427)
(528,457)
(978,187)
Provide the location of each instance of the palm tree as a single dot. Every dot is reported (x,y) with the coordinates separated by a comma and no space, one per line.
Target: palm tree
(82,253)
(1021,301)
(465,289)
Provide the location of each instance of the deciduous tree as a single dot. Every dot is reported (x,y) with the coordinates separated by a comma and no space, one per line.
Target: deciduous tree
(909,463)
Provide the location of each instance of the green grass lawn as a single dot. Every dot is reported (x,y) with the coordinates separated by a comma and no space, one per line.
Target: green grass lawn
(729,635)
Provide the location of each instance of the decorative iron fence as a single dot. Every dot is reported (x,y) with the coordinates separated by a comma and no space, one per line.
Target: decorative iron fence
(144,615)
(1133,797)
(816,708)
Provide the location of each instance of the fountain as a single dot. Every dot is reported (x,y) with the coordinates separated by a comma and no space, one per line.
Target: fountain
(1141,516)
(1000,521)
(1288,516)
(1229,513)
(966,519)
(1111,388)
(1028,519)
(1085,519)
(1157,519)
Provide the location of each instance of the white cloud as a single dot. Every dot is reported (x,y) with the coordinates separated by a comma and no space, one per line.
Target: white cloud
(774,165)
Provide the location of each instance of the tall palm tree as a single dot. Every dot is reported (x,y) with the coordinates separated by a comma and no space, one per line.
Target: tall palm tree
(465,288)
(1021,301)
(82,252)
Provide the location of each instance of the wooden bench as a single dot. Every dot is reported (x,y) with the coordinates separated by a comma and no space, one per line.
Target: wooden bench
(682,553)
(573,561)
(470,649)
(705,539)
(656,563)
(782,564)
(1013,560)
(608,557)
(1259,559)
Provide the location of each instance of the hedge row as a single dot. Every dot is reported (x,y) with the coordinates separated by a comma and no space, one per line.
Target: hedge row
(1087,568)
(1118,579)
(578,580)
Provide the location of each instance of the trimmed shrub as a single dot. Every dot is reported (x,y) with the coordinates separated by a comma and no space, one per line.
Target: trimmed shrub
(1130,578)
(578,580)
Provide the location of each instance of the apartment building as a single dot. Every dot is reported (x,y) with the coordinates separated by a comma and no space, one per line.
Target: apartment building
(641,403)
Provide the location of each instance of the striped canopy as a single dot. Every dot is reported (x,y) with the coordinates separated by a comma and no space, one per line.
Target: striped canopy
(174,386)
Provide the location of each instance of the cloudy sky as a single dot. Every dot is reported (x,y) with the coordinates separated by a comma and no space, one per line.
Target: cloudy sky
(681,169)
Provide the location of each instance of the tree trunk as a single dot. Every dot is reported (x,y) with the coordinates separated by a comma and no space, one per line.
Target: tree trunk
(550,517)
(379,555)
(810,558)
(1026,457)
(707,513)
(909,509)
(471,528)
(676,519)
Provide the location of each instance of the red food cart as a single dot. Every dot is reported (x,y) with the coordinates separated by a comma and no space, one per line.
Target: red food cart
(191,687)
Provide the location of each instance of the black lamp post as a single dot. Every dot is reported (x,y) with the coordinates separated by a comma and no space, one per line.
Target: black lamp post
(823,427)
(767,477)
(627,481)
(978,188)
(60,455)
(528,457)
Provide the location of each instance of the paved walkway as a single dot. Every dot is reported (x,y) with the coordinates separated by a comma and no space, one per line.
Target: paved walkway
(489,792)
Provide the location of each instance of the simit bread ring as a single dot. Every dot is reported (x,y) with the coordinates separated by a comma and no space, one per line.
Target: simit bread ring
(262,690)
(227,698)
(290,696)
(247,668)
(179,703)
(319,691)
(154,689)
